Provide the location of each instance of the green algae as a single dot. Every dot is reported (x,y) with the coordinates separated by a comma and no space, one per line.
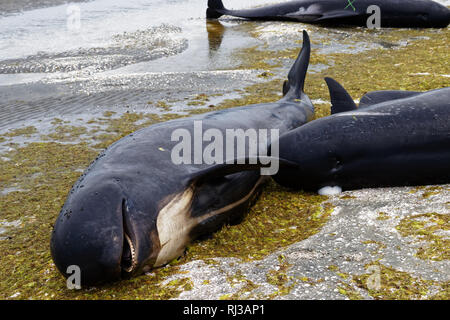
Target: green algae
(25,131)
(417,66)
(66,133)
(386,283)
(183,284)
(347,290)
(347,196)
(383,216)
(267,227)
(333,268)
(246,286)
(279,278)
(431,191)
(398,285)
(163,105)
(426,228)
(199,100)
(375,247)
(47,171)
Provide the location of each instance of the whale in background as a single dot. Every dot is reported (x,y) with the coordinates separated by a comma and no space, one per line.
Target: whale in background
(393,13)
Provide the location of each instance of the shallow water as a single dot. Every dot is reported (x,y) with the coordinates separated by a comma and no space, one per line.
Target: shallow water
(56,30)
(84,26)
(53,65)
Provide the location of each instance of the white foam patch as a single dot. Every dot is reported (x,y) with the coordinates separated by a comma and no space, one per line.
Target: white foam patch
(281,32)
(320,101)
(330,191)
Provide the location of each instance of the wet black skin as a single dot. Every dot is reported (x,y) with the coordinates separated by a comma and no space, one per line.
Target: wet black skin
(124,189)
(394,13)
(410,145)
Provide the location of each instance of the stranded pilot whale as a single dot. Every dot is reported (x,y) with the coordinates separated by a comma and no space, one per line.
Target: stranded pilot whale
(134,209)
(395,138)
(393,13)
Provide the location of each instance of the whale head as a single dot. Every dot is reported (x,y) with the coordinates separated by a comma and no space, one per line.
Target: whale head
(437,14)
(423,13)
(99,231)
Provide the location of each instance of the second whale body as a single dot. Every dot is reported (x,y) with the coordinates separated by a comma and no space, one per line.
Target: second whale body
(393,13)
(395,138)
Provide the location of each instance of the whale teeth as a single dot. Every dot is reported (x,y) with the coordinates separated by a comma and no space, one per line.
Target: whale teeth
(129,260)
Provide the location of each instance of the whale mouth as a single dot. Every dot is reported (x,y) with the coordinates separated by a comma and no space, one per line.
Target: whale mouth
(129,258)
(128,262)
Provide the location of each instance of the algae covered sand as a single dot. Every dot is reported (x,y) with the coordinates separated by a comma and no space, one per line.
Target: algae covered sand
(291,244)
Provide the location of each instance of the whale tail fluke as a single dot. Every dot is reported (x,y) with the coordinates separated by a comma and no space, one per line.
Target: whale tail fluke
(293,87)
(341,101)
(215,9)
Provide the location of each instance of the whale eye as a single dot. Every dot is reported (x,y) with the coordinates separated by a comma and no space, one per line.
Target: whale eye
(423,16)
(336,162)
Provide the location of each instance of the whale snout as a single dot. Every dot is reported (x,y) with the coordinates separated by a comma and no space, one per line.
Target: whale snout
(439,16)
(92,234)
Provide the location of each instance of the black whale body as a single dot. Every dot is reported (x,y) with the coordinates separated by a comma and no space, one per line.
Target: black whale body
(393,13)
(134,209)
(395,138)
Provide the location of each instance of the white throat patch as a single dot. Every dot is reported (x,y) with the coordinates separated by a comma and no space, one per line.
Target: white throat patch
(173,225)
(175,222)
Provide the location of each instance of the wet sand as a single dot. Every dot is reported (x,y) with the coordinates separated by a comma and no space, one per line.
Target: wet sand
(15,6)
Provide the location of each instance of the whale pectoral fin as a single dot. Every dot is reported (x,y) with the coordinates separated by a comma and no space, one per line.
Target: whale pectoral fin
(341,101)
(376,97)
(238,165)
(337,14)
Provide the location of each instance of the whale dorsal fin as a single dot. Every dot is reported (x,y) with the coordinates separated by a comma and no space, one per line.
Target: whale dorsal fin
(294,86)
(285,87)
(376,97)
(248,164)
(215,10)
(341,101)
